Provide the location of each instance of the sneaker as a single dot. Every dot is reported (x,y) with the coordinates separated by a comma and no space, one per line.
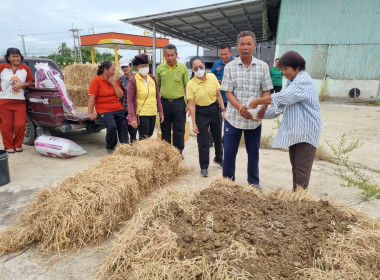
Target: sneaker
(218,163)
(204,172)
(110,151)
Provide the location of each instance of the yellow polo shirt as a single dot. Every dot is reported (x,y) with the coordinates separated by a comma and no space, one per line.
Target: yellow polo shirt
(203,92)
(149,108)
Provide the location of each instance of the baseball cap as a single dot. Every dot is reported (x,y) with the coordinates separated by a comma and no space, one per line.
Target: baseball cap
(124,62)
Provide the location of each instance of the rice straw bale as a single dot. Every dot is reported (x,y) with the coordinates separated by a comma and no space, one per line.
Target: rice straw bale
(88,206)
(78,94)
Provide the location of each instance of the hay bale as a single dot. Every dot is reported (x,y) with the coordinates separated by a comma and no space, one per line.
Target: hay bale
(221,231)
(88,206)
(78,94)
(82,74)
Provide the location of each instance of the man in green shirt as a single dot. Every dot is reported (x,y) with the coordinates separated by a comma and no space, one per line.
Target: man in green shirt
(276,76)
(172,77)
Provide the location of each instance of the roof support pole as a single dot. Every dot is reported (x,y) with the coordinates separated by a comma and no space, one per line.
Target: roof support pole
(116,56)
(154,47)
(92,55)
(197,49)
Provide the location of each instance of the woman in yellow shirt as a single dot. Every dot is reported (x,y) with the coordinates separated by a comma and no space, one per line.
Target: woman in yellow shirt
(143,98)
(207,111)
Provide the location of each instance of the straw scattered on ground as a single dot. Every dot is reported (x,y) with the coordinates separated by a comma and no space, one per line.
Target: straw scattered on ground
(88,206)
(233,232)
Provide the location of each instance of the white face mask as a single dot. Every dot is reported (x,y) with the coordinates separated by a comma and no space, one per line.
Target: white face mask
(199,73)
(144,71)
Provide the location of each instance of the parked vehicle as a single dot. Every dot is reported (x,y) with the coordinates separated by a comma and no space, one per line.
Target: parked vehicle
(44,109)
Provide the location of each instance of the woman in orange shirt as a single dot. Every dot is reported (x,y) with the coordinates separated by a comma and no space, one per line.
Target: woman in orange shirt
(104,91)
(14,77)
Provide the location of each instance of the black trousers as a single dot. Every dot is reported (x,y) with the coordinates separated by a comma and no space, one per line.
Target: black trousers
(276,89)
(210,139)
(174,114)
(131,130)
(146,126)
(116,125)
(209,117)
(301,157)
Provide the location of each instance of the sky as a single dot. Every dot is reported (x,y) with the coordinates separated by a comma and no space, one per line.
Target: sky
(46,24)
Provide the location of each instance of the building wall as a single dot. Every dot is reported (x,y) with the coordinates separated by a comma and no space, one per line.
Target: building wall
(339,39)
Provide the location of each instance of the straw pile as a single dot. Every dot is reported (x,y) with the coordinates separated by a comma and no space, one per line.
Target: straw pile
(77,80)
(88,206)
(232,232)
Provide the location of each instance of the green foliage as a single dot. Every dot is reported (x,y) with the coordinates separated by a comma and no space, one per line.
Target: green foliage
(266,141)
(65,56)
(322,154)
(351,175)
(278,123)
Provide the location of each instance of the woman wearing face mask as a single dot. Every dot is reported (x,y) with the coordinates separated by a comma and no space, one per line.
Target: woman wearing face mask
(104,91)
(143,98)
(207,110)
(14,78)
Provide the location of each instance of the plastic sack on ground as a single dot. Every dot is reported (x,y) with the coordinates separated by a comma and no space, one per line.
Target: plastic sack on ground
(48,77)
(57,147)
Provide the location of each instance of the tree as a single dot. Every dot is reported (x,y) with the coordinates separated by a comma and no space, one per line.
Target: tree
(64,50)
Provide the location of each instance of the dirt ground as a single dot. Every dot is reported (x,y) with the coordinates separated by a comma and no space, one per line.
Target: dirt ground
(31,172)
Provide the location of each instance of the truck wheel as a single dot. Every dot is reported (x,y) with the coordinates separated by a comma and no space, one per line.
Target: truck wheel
(30,132)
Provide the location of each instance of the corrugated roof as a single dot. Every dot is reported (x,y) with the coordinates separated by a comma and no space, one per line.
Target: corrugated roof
(212,25)
(329,22)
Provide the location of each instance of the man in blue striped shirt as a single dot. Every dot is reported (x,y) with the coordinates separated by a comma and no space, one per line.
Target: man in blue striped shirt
(300,127)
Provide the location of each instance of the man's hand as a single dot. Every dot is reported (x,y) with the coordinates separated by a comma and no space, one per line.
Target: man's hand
(134,124)
(92,116)
(161,119)
(245,114)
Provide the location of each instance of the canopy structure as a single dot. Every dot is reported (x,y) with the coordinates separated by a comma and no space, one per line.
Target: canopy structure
(121,41)
(208,26)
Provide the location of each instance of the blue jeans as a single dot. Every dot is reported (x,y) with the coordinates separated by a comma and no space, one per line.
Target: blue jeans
(232,136)
(116,125)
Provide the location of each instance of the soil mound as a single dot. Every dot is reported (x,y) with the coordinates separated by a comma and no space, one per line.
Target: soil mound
(232,232)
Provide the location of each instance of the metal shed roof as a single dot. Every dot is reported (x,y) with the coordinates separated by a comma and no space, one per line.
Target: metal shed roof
(210,25)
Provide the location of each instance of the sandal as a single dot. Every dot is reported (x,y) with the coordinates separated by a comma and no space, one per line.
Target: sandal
(19,150)
(10,151)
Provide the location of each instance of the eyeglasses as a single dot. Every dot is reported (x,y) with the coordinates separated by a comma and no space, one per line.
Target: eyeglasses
(198,68)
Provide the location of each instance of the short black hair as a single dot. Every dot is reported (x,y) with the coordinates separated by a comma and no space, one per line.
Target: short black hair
(292,59)
(224,46)
(276,59)
(170,47)
(105,65)
(13,51)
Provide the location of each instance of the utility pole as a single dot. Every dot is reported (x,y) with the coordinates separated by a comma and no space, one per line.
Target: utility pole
(77,50)
(23,42)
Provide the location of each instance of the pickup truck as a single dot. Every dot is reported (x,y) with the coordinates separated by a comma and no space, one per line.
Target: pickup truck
(44,109)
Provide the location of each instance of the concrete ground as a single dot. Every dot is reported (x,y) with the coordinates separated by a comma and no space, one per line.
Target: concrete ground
(31,172)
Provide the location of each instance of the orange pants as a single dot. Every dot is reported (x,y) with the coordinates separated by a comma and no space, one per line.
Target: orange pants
(12,122)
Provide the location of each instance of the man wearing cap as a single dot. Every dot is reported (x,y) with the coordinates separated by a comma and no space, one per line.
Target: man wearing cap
(125,65)
(172,77)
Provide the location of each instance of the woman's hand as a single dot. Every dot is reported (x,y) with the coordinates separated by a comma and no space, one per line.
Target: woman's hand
(161,119)
(17,86)
(254,104)
(134,124)
(223,114)
(112,80)
(195,128)
(92,116)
